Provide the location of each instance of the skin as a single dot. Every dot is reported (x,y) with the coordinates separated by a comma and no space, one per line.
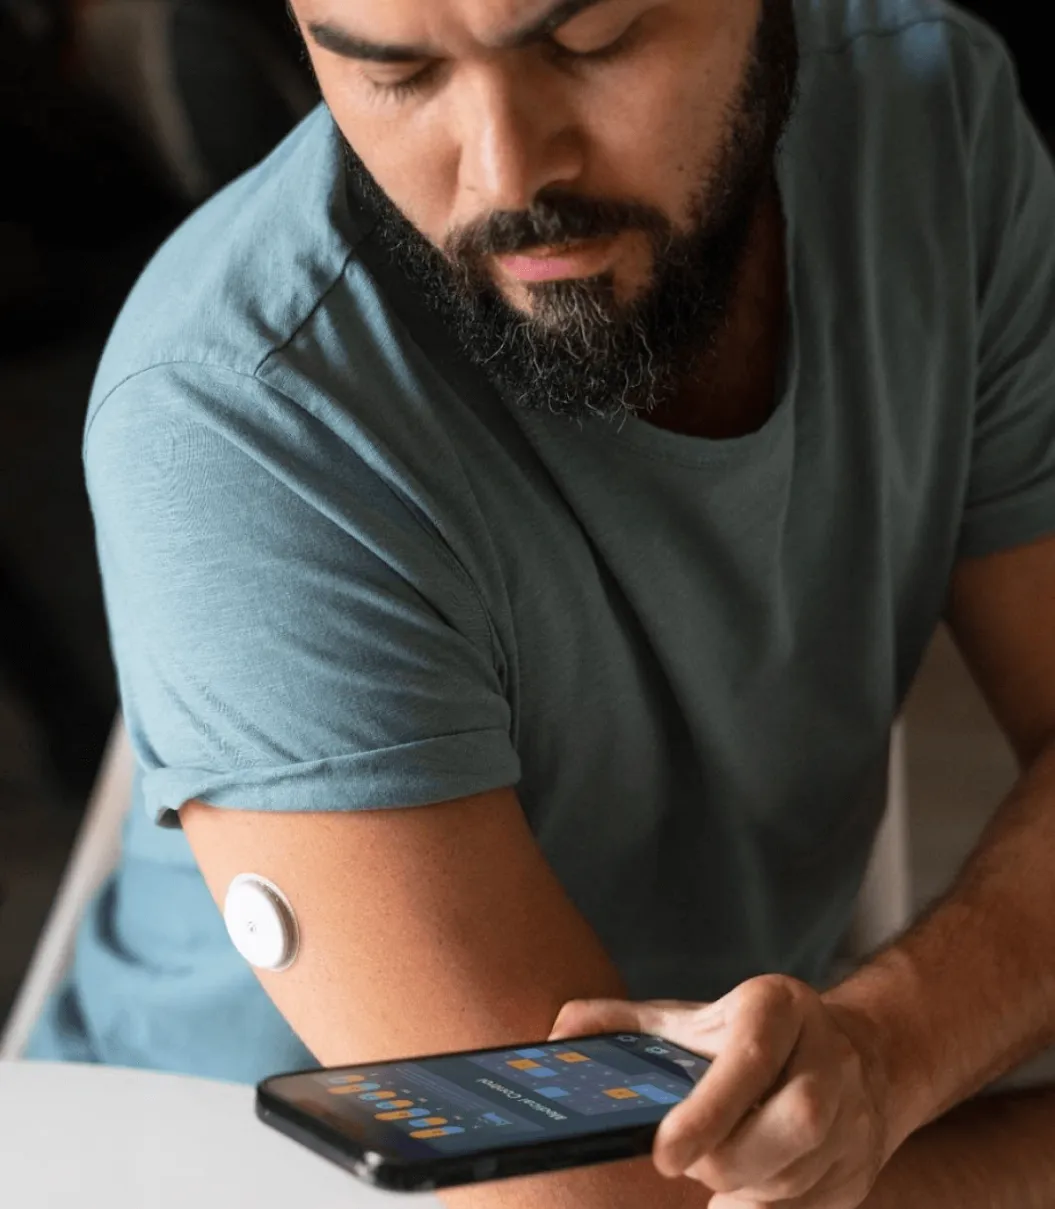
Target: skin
(812,1096)
(476,139)
(644,125)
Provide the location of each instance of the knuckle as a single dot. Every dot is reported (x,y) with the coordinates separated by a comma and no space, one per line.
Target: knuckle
(774,992)
(777,998)
(809,1113)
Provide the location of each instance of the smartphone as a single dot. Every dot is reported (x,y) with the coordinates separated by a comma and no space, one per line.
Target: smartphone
(424,1123)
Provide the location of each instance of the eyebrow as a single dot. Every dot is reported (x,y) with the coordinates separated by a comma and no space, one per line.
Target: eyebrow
(349,46)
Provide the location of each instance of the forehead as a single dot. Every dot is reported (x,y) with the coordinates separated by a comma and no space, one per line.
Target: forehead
(454,24)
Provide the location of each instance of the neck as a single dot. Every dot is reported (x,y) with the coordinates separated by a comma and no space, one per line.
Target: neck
(732,392)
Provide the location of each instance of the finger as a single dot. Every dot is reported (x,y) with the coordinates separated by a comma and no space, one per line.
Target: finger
(797,1181)
(837,1189)
(583,1016)
(761,1033)
(795,1122)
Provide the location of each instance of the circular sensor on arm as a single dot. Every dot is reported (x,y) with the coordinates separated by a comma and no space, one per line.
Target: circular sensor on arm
(261,923)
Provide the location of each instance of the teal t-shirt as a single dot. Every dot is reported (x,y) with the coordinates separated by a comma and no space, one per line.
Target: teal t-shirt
(343,574)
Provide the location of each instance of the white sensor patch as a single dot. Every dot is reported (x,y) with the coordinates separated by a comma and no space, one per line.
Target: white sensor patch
(261,923)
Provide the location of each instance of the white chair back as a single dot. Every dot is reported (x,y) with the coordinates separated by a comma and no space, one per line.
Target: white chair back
(885,903)
(94,856)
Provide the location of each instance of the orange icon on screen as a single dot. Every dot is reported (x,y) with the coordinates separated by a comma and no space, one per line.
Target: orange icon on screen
(398,1104)
(572,1056)
(433,1121)
(523,1064)
(394,1116)
(428,1133)
(383,1095)
(621,1093)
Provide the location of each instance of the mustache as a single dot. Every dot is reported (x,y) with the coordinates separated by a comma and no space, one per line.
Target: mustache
(554,218)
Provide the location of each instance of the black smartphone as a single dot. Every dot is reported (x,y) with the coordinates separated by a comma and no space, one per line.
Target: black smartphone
(433,1122)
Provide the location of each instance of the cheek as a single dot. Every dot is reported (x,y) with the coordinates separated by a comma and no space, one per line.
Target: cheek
(418,176)
(409,158)
(655,138)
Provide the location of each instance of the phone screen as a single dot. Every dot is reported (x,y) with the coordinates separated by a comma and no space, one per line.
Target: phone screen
(464,1103)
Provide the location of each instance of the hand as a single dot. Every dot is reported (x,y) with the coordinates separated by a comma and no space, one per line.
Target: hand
(792,1111)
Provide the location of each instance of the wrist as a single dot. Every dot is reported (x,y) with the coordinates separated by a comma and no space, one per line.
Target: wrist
(881,1010)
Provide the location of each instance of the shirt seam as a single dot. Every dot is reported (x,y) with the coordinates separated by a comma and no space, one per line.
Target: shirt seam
(95,409)
(275,349)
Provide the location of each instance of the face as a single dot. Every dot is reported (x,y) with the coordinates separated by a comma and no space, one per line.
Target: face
(572,184)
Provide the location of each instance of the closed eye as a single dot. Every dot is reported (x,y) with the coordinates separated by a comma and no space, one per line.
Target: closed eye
(408,85)
(597,54)
(420,80)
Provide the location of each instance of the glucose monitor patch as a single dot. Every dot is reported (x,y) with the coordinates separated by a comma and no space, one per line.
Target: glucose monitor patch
(261,923)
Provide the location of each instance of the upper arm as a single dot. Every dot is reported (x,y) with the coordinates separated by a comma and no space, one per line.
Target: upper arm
(1002,614)
(423,930)
(1002,596)
(426,929)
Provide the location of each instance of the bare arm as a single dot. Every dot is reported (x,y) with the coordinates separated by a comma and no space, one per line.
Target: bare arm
(451,906)
(994,1153)
(969,992)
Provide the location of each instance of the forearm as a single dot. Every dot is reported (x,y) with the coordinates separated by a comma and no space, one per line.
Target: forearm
(628,1185)
(969,992)
(995,1152)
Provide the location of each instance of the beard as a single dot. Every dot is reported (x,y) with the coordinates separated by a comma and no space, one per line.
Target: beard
(580,351)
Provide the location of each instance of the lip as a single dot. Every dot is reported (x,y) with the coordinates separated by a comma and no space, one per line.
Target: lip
(560,263)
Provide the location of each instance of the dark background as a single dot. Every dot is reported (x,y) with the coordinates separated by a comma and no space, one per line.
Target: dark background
(104,150)
(96,173)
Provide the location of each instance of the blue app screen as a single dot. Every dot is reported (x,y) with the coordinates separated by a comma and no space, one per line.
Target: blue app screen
(469,1102)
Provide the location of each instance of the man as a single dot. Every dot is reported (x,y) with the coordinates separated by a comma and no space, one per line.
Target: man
(523,504)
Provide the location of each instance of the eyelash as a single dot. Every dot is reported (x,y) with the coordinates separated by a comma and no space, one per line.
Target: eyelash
(603,54)
(403,89)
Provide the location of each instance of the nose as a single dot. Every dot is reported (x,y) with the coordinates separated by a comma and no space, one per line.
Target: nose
(514,144)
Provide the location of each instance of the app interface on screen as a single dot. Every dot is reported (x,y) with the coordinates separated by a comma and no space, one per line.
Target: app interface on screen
(467,1103)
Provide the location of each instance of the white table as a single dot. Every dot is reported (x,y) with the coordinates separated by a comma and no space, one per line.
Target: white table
(102,1138)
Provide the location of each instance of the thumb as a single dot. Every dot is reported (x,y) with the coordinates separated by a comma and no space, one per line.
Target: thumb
(580,1017)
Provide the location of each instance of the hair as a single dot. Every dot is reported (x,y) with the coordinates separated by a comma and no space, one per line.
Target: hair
(580,351)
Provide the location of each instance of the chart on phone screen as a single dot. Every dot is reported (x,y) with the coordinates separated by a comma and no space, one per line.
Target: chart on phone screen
(574,1079)
(459,1101)
(427,1107)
